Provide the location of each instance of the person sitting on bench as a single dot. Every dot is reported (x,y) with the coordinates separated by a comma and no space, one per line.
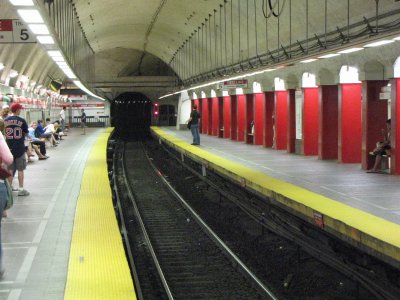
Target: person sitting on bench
(382,148)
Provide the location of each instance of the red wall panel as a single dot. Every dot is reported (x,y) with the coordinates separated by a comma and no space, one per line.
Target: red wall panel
(328,122)
(227,117)
(269,126)
(310,121)
(234,117)
(215,117)
(241,117)
(281,120)
(350,134)
(205,115)
(259,108)
(210,115)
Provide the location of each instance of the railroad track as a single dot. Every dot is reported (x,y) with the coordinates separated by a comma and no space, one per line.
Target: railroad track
(191,261)
(366,272)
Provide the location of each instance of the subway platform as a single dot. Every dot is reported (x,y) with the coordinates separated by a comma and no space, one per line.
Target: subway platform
(356,206)
(39,259)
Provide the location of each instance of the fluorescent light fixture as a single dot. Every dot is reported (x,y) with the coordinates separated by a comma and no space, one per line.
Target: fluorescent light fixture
(58,59)
(39,28)
(1,66)
(45,39)
(62,64)
(69,74)
(308,60)
(22,2)
(379,43)
(350,50)
(329,55)
(54,53)
(30,15)
(397,38)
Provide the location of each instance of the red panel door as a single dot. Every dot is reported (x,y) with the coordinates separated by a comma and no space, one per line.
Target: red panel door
(310,121)
(241,117)
(227,117)
(281,120)
(350,134)
(328,122)
(215,117)
(259,108)
(205,115)
(234,117)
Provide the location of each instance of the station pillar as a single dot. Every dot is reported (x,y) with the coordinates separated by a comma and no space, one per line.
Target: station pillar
(310,121)
(215,116)
(328,122)
(350,133)
(259,121)
(281,120)
(375,114)
(210,115)
(226,129)
(241,113)
(233,125)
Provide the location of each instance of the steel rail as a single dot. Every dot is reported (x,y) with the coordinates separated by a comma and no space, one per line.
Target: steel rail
(146,236)
(212,234)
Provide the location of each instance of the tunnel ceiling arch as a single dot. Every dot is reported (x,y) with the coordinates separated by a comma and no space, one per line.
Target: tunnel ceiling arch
(160,27)
(134,41)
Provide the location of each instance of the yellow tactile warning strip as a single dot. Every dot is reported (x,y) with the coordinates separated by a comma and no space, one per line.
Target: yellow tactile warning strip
(363,228)
(97,268)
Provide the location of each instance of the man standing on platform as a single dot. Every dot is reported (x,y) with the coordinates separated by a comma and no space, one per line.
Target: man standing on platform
(194,127)
(16,129)
(83,121)
(62,118)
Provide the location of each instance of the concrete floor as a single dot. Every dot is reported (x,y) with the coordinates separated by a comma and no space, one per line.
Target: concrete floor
(36,234)
(378,194)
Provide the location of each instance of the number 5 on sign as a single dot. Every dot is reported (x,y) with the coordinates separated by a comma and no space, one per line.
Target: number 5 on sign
(21,33)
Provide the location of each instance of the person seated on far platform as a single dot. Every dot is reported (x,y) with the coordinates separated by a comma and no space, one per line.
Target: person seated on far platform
(47,134)
(36,142)
(382,148)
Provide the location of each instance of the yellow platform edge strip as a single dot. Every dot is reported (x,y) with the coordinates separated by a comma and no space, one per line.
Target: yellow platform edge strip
(374,226)
(98,268)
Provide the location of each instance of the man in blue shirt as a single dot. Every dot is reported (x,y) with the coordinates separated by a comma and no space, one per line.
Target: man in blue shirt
(16,129)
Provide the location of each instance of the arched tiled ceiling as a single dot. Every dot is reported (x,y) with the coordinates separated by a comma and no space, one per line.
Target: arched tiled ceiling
(159,27)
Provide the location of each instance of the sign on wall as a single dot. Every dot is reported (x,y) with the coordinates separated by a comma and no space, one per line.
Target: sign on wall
(15,31)
(233,84)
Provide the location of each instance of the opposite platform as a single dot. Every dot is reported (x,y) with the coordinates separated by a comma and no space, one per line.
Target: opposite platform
(354,205)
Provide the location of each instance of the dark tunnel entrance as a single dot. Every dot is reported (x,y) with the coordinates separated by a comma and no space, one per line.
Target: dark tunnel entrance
(131,116)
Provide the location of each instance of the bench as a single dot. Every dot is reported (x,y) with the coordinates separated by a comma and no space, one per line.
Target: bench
(385,162)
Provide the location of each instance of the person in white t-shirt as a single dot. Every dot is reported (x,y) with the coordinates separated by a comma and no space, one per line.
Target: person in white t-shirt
(62,118)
